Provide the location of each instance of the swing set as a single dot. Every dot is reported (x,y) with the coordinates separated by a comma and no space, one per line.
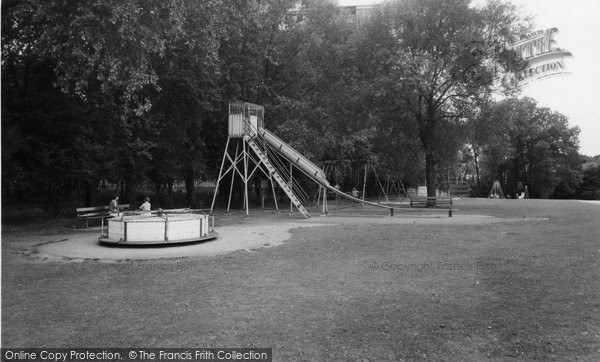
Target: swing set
(352,176)
(395,190)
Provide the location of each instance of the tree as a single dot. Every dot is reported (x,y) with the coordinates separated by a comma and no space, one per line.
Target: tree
(305,78)
(113,59)
(49,142)
(187,106)
(519,142)
(589,189)
(439,61)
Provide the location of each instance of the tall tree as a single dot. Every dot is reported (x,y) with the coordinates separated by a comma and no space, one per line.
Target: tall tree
(440,61)
(50,145)
(115,59)
(189,100)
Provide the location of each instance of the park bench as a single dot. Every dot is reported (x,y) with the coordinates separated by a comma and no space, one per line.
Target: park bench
(96,212)
(433,202)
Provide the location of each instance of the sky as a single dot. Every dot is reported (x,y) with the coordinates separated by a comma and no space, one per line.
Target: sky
(576,95)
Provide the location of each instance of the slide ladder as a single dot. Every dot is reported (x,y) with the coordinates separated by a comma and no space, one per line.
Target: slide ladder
(282,183)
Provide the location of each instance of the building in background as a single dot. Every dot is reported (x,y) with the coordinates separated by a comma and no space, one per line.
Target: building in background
(354,12)
(359,12)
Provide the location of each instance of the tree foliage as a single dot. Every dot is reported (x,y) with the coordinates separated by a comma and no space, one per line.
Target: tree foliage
(518,141)
(135,93)
(436,61)
(590,183)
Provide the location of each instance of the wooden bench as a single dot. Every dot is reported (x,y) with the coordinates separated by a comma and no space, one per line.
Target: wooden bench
(433,202)
(96,212)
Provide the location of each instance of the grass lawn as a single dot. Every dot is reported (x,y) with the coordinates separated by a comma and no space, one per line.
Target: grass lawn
(511,290)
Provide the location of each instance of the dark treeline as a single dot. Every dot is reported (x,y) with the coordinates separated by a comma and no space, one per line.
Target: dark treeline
(135,93)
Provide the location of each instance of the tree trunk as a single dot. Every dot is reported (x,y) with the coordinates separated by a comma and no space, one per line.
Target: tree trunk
(122,191)
(430,178)
(426,134)
(89,193)
(189,187)
(477,168)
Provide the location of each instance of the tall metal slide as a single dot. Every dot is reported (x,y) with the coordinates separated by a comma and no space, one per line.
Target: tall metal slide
(246,122)
(303,164)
